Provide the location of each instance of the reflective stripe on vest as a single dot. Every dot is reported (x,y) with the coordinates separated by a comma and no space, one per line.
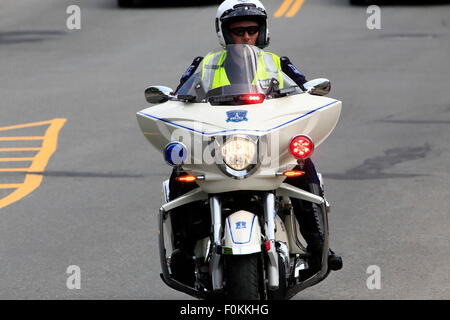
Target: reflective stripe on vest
(214,75)
(273,67)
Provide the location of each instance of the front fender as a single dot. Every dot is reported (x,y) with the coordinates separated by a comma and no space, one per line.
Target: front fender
(242,234)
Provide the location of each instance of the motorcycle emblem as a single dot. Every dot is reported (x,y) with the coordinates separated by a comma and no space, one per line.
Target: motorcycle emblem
(42,140)
(237,116)
(241,225)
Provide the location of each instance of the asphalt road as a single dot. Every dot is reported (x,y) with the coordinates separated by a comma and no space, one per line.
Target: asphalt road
(386,167)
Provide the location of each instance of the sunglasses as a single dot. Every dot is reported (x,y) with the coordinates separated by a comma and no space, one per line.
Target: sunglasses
(240,31)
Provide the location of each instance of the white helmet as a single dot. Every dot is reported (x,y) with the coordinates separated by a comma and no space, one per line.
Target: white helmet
(234,10)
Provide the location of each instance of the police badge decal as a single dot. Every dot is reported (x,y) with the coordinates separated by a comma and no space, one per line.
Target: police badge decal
(237,116)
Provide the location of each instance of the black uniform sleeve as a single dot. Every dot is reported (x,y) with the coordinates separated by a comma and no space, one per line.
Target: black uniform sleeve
(189,72)
(292,72)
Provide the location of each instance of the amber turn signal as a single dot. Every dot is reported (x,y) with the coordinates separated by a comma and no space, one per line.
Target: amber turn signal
(293,173)
(187,178)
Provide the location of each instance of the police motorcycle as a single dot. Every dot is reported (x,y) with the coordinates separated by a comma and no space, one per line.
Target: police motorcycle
(233,133)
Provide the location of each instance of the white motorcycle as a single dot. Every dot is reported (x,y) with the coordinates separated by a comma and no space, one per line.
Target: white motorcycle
(233,136)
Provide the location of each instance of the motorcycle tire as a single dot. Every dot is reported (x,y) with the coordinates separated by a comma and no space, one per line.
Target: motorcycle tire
(243,277)
(182,267)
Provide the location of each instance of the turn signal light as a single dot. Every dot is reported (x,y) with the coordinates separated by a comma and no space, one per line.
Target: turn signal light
(293,173)
(301,147)
(187,178)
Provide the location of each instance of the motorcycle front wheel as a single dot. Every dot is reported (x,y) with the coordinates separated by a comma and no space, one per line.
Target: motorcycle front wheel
(244,277)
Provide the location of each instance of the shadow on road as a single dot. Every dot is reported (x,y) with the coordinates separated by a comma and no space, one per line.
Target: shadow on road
(11,37)
(374,168)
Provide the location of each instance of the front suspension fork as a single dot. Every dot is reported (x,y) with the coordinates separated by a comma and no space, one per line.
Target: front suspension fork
(272,262)
(216,253)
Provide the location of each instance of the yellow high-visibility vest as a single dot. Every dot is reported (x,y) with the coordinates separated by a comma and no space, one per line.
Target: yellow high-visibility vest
(214,74)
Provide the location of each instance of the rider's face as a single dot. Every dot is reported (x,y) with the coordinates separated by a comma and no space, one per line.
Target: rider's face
(245,38)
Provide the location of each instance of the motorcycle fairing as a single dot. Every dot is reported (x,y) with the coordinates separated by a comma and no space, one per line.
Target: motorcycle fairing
(276,120)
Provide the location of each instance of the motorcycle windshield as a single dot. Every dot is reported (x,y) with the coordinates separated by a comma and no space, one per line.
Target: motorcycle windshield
(237,69)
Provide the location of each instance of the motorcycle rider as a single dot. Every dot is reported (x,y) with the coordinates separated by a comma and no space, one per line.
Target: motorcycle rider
(245,22)
(244,26)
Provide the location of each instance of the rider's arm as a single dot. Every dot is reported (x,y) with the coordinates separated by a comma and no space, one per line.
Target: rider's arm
(189,72)
(292,72)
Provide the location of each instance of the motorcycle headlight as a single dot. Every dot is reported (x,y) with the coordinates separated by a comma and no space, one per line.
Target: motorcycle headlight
(239,152)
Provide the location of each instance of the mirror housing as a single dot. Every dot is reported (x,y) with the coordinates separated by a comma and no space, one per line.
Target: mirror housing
(158,94)
(318,87)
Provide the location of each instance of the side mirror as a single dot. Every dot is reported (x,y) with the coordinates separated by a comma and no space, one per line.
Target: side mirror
(158,94)
(318,87)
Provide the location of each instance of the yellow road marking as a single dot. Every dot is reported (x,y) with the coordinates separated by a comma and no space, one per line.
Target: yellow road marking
(295,8)
(285,6)
(15,159)
(20,149)
(10,186)
(20,138)
(33,181)
(26,125)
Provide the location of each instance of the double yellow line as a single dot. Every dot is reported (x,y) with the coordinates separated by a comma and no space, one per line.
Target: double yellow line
(289,8)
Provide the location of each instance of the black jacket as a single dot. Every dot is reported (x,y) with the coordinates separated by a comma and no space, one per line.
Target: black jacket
(286,66)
